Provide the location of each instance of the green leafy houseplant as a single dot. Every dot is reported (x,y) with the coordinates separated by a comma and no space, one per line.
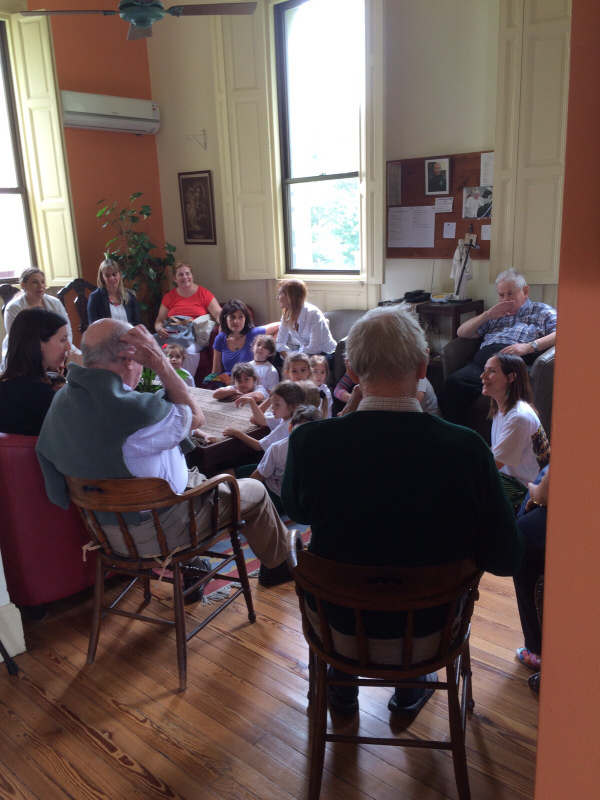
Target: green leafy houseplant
(147,380)
(143,270)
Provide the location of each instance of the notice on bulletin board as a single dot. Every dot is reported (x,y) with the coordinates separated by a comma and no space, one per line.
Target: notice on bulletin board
(411,227)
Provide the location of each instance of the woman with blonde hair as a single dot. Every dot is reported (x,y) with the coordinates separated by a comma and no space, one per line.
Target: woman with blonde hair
(111,298)
(33,295)
(303,327)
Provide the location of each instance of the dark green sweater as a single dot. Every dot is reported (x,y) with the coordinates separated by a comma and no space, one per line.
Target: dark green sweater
(399,489)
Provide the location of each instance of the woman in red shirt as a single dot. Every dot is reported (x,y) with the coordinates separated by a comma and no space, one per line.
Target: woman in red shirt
(186,300)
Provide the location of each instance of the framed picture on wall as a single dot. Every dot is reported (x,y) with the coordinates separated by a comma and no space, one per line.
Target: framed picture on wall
(197,207)
(437,176)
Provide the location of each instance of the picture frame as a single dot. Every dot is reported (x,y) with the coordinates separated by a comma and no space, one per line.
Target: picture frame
(477,202)
(437,176)
(197,207)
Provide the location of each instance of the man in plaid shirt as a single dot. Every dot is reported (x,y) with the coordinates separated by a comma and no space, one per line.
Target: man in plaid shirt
(514,325)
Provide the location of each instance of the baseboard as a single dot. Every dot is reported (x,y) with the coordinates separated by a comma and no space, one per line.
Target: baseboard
(11,630)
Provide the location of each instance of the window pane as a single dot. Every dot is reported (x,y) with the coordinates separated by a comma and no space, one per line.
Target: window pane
(15,248)
(324,221)
(325,68)
(8,172)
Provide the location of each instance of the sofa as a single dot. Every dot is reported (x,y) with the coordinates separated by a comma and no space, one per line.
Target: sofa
(40,542)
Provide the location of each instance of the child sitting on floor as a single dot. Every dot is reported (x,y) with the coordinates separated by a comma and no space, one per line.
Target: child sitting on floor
(176,355)
(320,373)
(262,348)
(285,398)
(245,384)
(271,468)
(313,396)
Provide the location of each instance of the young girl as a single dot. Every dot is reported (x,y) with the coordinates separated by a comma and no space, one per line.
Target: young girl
(262,348)
(296,367)
(176,355)
(285,398)
(271,468)
(320,372)
(314,396)
(245,384)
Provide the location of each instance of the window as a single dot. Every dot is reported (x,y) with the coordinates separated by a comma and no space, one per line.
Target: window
(320,85)
(18,248)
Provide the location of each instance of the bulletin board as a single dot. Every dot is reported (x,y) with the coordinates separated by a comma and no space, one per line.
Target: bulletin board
(465,171)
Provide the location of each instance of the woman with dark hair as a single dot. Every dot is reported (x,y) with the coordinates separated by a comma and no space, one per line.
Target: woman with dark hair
(38,344)
(33,295)
(233,344)
(186,301)
(111,298)
(303,326)
(519,442)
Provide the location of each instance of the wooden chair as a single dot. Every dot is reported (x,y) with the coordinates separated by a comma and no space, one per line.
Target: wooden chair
(140,494)
(79,286)
(386,589)
(7,292)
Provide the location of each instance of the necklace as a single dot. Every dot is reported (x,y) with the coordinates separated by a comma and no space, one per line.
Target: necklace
(114,302)
(235,342)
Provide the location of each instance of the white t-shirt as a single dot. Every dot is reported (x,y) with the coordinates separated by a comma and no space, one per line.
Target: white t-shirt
(429,403)
(512,444)
(272,465)
(281,431)
(327,391)
(267,375)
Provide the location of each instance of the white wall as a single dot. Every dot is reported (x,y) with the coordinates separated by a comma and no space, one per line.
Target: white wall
(182,78)
(440,98)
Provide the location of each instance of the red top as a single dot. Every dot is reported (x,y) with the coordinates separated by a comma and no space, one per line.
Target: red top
(194,306)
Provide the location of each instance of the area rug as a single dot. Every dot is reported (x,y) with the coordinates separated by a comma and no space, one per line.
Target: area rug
(218,589)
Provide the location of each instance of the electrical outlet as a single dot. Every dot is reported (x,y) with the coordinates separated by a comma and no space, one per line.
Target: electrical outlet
(471,237)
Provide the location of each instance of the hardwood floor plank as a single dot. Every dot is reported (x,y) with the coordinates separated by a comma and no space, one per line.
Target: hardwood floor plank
(240,732)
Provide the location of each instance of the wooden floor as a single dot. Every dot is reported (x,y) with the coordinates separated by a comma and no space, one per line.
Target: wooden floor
(119,729)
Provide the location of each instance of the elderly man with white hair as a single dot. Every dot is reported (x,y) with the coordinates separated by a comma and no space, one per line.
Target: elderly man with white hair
(515,325)
(98,427)
(392,485)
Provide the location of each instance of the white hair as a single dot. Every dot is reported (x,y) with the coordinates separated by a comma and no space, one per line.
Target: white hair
(104,350)
(511,276)
(387,343)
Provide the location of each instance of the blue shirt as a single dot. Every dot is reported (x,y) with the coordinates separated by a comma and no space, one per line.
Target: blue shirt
(243,355)
(532,321)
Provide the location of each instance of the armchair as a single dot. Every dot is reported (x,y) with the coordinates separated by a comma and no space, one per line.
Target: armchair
(458,352)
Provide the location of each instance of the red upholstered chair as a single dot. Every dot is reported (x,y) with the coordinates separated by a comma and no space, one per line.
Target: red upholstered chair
(40,543)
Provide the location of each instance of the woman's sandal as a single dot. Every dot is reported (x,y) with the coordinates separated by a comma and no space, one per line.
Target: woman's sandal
(529,659)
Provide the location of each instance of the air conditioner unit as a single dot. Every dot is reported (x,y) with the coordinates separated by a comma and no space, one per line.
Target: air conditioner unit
(98,112)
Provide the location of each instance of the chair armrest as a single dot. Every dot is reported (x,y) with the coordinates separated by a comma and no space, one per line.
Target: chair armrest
(457,353)
(212,483)
(541,377)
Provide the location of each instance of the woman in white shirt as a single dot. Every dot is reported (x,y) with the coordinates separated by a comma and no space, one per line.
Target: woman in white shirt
(519,442)
(303,327)
(33,295)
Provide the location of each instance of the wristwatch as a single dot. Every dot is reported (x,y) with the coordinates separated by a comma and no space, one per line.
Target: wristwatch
(534,345)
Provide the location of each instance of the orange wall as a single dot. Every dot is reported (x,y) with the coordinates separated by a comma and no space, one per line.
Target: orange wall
(567,764)
(92,55)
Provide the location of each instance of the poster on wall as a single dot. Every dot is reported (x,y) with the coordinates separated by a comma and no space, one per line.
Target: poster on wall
(197,207)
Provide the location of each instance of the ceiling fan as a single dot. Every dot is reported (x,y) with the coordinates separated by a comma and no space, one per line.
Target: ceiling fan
(142,14)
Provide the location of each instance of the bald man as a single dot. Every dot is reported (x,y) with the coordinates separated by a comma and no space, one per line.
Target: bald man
(101,428)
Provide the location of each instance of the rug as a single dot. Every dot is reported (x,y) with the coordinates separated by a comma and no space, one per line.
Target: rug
(217,590)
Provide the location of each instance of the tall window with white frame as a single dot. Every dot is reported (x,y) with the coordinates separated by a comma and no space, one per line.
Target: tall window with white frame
(320,87)
(18,248)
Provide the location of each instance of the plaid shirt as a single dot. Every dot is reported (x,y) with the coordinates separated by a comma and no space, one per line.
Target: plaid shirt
(532,321)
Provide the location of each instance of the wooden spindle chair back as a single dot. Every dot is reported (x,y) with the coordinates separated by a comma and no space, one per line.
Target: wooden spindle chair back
(123,496)
(405,591)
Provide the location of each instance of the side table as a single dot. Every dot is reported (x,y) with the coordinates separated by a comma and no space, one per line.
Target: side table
(453,310)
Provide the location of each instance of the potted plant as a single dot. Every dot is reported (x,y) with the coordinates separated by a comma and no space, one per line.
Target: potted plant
(143,270)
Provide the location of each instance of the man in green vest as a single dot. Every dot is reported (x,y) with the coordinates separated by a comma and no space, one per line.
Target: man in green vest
(98,427)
